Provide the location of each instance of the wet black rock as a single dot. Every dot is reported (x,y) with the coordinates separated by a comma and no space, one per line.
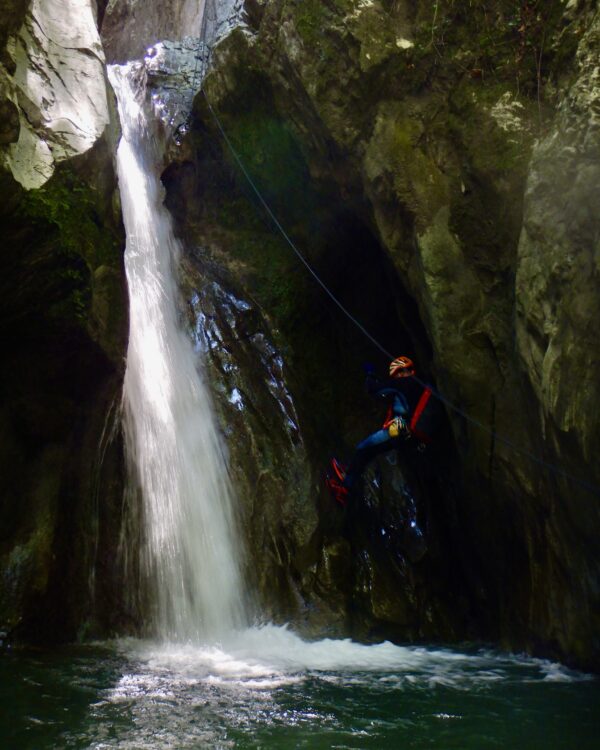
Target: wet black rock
(63,324)
(434,142)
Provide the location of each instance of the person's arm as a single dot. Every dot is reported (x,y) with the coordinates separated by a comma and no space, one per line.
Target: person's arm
(381,387)
(389,390)
(374,384)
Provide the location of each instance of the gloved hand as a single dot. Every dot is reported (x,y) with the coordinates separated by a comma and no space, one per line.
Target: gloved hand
(398,427)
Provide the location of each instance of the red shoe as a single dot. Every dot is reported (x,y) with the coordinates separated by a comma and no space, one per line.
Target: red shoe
(339,470)
(337,491)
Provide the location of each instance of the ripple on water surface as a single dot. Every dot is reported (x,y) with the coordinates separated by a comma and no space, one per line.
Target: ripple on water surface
(266,688)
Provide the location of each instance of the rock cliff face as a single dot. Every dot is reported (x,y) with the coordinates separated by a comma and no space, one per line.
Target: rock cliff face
(63,323)
(129,27)
(278,517)
(53,76)
(437,167)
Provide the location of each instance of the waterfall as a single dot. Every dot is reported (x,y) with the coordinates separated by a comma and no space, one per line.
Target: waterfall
(189,546)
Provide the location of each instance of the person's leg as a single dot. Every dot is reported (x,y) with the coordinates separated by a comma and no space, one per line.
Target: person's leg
(377,443)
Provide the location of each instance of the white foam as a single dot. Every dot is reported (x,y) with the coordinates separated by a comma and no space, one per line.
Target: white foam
(270,657)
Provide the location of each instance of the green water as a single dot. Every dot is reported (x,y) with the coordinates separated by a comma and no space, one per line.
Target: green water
(139,695)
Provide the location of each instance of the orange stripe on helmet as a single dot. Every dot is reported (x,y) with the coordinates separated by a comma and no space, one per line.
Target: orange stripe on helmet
(402,367)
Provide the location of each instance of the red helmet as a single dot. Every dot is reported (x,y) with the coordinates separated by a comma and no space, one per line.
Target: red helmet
(401,367)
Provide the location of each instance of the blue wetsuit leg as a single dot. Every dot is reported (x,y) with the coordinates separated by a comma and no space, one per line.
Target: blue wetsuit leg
(372,446)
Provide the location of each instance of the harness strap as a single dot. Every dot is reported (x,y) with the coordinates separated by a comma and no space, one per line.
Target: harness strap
(420,407)
(389,418)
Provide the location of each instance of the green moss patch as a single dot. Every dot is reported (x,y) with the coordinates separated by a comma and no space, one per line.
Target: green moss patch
(71,205)
(67,213)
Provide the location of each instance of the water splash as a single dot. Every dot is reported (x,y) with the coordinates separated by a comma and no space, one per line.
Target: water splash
(274,653)
(189,545)
(267,688)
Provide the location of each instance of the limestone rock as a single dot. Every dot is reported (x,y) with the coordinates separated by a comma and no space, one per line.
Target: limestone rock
(56,81)
(130,27)
(558,272)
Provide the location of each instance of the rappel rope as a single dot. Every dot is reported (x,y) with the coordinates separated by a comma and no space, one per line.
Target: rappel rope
(275,220)
(555,469)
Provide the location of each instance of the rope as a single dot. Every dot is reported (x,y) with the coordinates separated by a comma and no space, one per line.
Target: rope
(558,470)
(287,238)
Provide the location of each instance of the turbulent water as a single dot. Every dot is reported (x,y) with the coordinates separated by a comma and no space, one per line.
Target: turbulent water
(268,689)
(189,550)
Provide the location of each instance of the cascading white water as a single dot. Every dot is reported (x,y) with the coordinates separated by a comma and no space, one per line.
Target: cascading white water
(189,545)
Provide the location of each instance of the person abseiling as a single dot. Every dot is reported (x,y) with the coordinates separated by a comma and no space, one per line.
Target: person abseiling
(411,414)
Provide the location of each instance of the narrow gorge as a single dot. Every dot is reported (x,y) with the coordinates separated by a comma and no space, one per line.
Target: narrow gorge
(176,379)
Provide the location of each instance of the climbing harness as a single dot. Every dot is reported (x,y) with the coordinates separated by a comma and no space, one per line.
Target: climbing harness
(428,390)
(397,427)
(417,419)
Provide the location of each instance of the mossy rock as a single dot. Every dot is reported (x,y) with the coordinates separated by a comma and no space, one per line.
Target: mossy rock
(64,318)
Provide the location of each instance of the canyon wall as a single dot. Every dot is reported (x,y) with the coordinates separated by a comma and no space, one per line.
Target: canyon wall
(436,167)
(64,324)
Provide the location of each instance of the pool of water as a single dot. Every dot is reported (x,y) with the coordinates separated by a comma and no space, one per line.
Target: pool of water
(266,688)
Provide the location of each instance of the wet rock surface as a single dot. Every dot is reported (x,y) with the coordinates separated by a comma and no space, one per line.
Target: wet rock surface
(268,460)
(130,27)
(438,169)
(325,568)
(417,125)
(558,306)
(63,327)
